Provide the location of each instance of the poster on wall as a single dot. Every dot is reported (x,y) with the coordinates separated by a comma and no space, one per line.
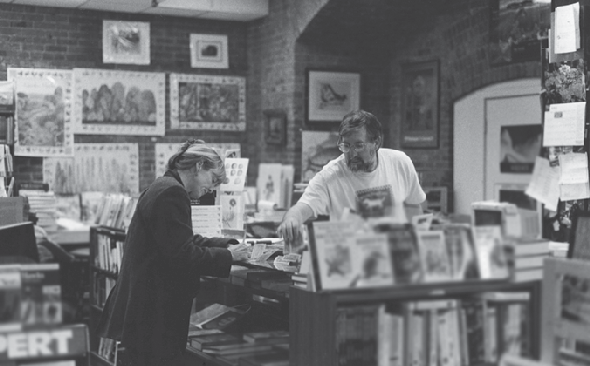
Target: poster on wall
(43,124)
(317,149)
(165,150)
(125,42)
(331,94)
(207,102)
(517,30)
(113,102)
(420,95)
(519,147)
(109,168)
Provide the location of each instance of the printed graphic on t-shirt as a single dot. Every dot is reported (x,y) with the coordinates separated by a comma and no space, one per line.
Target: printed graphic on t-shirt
(375,202)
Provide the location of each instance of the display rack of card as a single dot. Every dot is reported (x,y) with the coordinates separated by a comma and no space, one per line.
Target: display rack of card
(560,177)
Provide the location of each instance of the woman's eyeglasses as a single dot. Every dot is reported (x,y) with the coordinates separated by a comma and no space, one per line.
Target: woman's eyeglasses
(357,146)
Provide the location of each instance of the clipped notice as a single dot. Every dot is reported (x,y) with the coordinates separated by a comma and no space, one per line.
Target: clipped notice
(567,28)
(544,185)
(564,124)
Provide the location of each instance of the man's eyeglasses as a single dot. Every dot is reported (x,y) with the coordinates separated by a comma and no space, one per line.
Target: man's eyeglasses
(357,146)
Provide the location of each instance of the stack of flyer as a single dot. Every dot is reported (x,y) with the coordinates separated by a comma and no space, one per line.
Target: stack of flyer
(527,258)
(43,204)
(207,220)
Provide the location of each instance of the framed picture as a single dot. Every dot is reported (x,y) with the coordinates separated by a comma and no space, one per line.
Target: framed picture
(419,102)
(125,42)
(42,118)
(209,51)
(565,314)
(331,95)
(511,40)
(114,102)
(579,239)
(207,102)
(276,126)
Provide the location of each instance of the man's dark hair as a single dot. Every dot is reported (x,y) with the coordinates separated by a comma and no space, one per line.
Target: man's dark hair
(359,119)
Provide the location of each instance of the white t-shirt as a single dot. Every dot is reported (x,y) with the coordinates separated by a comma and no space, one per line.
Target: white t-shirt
(392,184)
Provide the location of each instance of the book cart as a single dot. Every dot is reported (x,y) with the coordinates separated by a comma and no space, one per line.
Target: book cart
(313,315)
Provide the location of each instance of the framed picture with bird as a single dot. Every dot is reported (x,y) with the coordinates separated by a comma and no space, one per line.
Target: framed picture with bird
(125,42)
(331,94)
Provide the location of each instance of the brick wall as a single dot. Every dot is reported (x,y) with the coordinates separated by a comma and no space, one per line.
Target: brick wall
(63,38)
(274,54)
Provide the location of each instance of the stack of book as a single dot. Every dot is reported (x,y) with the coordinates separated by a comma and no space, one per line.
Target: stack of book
(43,204)
(526,258)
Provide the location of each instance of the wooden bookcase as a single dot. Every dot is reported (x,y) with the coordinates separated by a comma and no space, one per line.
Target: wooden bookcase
(99,274)
(312,316)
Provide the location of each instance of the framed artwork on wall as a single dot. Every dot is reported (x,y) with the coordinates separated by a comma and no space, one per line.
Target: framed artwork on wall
(331,95)
(275,125)
(207,102)
(517,30)
(209,51)
(125,42)
(114,102)
(43,123)
(419,102)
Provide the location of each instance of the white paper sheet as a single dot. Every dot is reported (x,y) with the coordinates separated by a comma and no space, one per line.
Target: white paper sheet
(566,23)
(574,168)
(544,184)
(564,124)
(569,192)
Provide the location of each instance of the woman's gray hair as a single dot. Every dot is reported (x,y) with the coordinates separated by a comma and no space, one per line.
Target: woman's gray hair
(195,152)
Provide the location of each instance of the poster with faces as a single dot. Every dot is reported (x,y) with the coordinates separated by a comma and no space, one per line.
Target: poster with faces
(236,170)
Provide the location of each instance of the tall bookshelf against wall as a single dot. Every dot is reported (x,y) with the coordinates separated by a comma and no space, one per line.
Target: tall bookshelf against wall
(106,252)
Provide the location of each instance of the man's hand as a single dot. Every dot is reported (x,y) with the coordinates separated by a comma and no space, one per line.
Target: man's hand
(290,229)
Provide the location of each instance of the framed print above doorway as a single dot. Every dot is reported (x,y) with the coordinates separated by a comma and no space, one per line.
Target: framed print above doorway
(331,95)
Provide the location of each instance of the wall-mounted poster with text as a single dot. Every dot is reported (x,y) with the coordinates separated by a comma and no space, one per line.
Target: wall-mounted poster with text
(42,115)
(207,102)
(109,168)
(112,102)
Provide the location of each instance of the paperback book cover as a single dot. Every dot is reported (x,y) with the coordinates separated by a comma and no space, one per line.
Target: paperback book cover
(40,295)
(405,258)
(215,339)
(10,294)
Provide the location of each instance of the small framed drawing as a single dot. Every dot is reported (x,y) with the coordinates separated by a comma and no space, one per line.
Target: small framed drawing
(209,51)
(331,95)
(125,42)
(565,311)
(579,239)
(276,126)
(419,102)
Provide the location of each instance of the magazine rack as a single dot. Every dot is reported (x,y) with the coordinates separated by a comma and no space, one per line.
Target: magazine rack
(313,315)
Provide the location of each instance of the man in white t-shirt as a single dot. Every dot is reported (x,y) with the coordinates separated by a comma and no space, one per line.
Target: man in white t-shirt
(366,179)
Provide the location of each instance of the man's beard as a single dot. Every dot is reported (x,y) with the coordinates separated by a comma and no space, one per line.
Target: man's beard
(357,164)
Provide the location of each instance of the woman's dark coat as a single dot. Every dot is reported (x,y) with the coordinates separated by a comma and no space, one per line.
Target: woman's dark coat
(149,308)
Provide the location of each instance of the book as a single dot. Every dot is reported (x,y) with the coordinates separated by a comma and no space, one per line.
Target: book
(433,256)
(274,358)
(204,340)
(460,250)
(375,260)
(407,267)
(236,348)
(279,335)
(40,295)
(10,297)
(521,247)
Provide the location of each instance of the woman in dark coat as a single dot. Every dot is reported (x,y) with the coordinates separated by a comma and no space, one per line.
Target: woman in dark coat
(149,308)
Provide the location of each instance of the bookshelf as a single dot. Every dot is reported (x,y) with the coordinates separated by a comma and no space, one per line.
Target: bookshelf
(105,253)
(313,317)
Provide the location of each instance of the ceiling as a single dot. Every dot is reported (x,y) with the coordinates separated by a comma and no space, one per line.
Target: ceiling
(231,10)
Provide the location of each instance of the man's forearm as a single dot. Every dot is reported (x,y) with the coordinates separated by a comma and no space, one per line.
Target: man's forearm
(300,212)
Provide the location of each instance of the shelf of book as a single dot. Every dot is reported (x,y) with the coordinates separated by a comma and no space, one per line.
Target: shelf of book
(323,331)
(105,258)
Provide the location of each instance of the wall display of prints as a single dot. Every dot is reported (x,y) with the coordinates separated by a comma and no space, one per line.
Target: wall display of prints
(165,150)
(317,149)
(112,102)
(207,102)
(111,168)
(43,116)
